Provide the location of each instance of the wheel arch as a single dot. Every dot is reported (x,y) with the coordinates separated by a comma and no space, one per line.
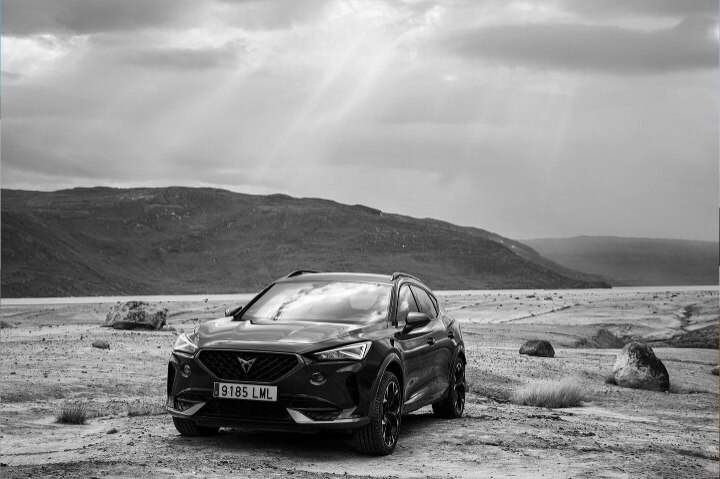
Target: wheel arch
(461,354)
(392,364)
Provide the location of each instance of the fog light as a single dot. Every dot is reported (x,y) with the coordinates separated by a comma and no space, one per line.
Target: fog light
(185,371)
(317,377)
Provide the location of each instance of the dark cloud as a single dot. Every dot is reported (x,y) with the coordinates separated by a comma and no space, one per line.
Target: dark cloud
(11,77)
(34,17)
(190,59)
(651,8)
(29,17)
(689,45)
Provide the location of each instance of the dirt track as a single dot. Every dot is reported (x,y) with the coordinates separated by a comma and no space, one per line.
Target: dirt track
(47,359)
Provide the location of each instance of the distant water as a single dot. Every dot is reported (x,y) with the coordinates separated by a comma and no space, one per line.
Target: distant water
(244,298)
(617,289)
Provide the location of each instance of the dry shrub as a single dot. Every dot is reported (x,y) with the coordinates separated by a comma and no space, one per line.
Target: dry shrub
(552,394)
(72,413)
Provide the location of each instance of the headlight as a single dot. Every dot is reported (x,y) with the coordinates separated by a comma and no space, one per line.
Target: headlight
(353,352)
(186,343)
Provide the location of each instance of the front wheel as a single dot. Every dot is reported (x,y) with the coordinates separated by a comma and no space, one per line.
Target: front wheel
(187,427)
(453,405)
(380,435)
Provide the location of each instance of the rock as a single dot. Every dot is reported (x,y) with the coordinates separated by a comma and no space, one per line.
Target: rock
(135,314)
(98,343)
(112,431)
(537,347)
(5,324)
(714,371)
(637,367)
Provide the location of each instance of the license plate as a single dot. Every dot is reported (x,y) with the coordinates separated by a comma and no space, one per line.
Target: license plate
(252,392)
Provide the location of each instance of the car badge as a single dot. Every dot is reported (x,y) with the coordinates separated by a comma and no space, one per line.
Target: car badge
(246,364)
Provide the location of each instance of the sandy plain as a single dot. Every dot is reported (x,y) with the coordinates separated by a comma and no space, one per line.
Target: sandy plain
(48,361)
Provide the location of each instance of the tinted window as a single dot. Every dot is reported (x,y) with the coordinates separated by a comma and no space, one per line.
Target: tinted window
(406,304)
(426,304)
(324,301)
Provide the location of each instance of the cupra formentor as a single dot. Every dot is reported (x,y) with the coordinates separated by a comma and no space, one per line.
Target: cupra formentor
(321,350)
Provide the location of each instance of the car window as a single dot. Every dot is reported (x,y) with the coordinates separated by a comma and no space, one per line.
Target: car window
(426,304)
(406,304)
(435,303)
(322,301)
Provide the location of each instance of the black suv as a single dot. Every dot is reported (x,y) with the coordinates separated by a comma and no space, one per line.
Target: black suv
(321,350)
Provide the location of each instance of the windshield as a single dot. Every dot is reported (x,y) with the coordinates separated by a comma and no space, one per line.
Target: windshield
(323,301)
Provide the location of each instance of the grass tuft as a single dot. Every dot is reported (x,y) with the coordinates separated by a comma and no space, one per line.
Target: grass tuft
(551,394)
(72,413)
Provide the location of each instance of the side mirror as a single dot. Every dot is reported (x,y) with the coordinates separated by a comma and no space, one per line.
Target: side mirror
(416,320)
(232,311)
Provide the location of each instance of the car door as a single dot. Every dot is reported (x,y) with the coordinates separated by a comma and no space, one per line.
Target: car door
(417,349)
(442,345)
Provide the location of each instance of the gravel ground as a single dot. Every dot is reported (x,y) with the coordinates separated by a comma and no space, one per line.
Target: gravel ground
(48,361)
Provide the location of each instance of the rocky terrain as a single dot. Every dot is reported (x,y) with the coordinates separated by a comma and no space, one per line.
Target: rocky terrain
(48,361)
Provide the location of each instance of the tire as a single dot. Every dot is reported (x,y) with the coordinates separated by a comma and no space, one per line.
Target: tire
(379,437)
(187,427)
(453,405)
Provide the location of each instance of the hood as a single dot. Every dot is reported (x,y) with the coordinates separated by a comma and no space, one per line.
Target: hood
(288,336)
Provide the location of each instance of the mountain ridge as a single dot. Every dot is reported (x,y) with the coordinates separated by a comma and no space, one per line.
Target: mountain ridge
(635,261)
(178,240)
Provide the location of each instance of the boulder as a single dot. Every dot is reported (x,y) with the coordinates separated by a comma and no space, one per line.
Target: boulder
(637,367)
(100,344)
(714,371)
(538,347)
(135,314)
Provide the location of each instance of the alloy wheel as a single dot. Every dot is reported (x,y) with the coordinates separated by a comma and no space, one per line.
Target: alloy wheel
(459,386)
(391,413)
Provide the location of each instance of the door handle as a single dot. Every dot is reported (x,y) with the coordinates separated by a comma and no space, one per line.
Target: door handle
(431,341)
(451,335)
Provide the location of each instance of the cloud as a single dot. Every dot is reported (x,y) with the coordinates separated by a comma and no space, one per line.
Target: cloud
(33,17)
(358,101)
(687,46)
(655,8)
(82,17)
(228,55)
(11,76)
(271,14)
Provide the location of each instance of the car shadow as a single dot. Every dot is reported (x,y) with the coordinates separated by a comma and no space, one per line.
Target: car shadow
(303,445)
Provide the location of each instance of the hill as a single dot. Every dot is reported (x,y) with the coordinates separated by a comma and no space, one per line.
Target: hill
(106,241)
(635,261)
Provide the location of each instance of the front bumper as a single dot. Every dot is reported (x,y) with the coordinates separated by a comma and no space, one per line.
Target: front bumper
(338,402)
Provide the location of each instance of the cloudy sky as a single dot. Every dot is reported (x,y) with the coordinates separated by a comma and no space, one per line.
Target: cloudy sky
(543,118)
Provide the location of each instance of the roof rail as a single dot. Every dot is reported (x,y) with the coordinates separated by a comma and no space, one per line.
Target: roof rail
(299,272)
(399,274)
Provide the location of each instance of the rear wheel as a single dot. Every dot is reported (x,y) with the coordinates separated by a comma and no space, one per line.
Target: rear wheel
(453,405)
(379,437)
(187,427)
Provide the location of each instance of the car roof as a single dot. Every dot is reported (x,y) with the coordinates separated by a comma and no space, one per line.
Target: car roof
(357,277)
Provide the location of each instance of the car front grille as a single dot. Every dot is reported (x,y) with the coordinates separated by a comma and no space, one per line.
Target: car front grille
(255,410)
(264,367)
